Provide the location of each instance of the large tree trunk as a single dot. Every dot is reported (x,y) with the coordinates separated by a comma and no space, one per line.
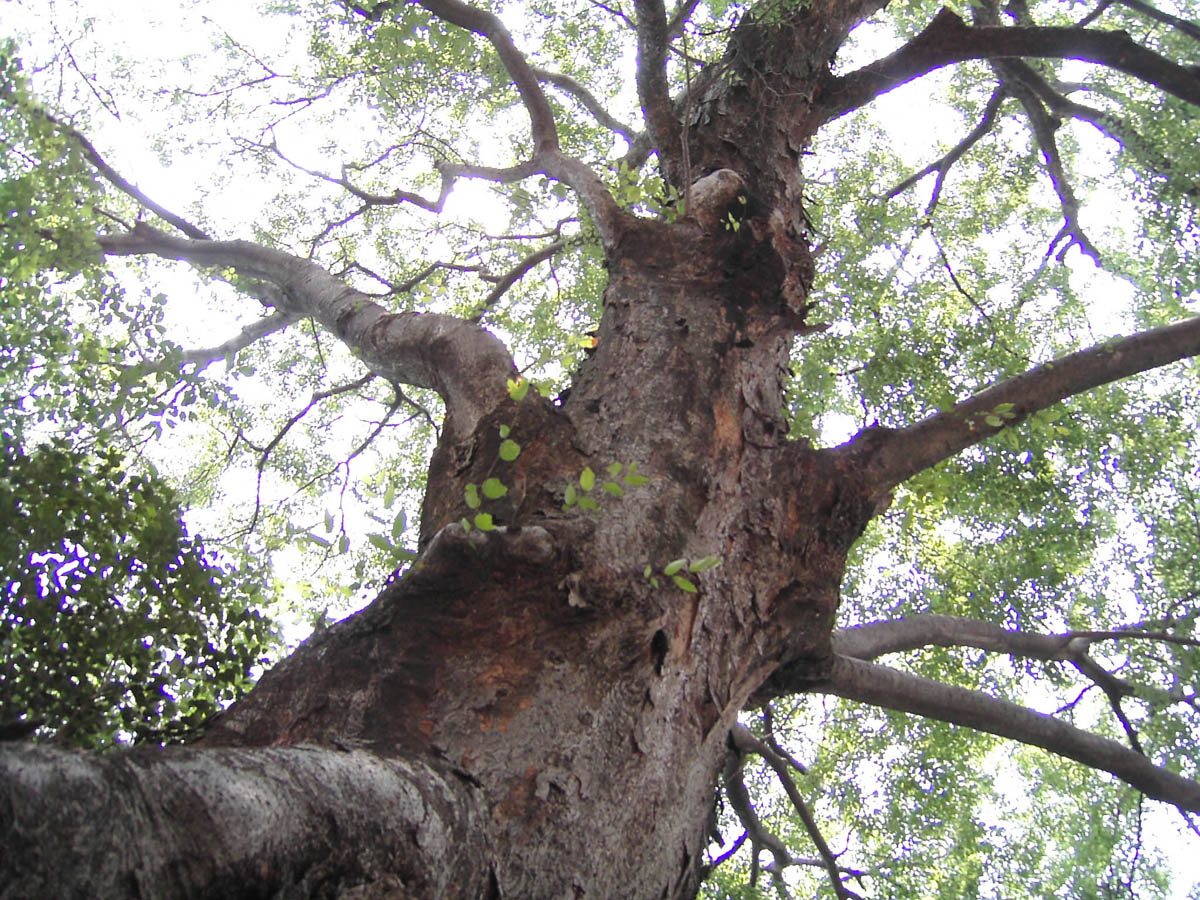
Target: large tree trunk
(528,713)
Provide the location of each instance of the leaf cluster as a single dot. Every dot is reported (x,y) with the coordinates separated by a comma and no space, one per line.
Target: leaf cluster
(115,624)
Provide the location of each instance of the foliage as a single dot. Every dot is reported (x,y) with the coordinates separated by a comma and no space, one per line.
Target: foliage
(114,623)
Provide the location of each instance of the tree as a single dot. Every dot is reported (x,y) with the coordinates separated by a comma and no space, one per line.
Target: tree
(544,703)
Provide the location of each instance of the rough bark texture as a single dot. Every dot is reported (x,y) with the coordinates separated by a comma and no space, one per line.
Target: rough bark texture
(526,714)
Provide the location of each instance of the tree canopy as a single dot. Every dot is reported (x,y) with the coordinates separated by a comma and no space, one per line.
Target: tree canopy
(376,287)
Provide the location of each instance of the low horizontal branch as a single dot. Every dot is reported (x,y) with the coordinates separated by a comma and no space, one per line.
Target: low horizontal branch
(181,822)
(881,686)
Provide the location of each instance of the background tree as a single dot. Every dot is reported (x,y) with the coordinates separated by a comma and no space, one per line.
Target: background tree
(646,560)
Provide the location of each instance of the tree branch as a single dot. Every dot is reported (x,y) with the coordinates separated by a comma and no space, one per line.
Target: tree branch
(942,166)
(466,365)
(113,177)
(588,100)
(482,22)
(1189,28)
(206,356)
(277,819)
(513,275)
(663,127)
(745,742)
(947,39)
(888,456)
(548,156)
(878,685)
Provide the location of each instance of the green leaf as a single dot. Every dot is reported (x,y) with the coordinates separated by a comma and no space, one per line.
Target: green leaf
(471,495)
(994,421)
(684,585)
(517,389)
(614,469)
(587,478)
(505,431)
(380,542)
(570,496)
(494,488)
(613,488)
(483,521)
(705,563)
(588,503)
(674,566)
(399,524)
(509,450)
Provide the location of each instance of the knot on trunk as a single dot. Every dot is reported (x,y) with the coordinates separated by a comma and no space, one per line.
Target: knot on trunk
(717,198)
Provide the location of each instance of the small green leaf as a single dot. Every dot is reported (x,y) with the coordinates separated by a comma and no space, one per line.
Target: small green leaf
(588,503)
(994,421)
(389,495)
(684,585)
(400,523)
(648,571)
(471,495)
(705,563)
(614,469)
(654,583)
(517,389)
(634,480)
(674,566)
(343,544)
(571,496)
(587,478)
(509,450)
(379,542)
(317,539)
(494,488)
(505,431)
(329,521)
(483,521)
(613,488)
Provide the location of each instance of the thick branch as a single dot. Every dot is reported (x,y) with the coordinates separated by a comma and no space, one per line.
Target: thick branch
(947,39)
(875,639)
(541,117)
(892,456)
(279,822)
(653,41)
(880,686)
(547,157)
(467,366)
